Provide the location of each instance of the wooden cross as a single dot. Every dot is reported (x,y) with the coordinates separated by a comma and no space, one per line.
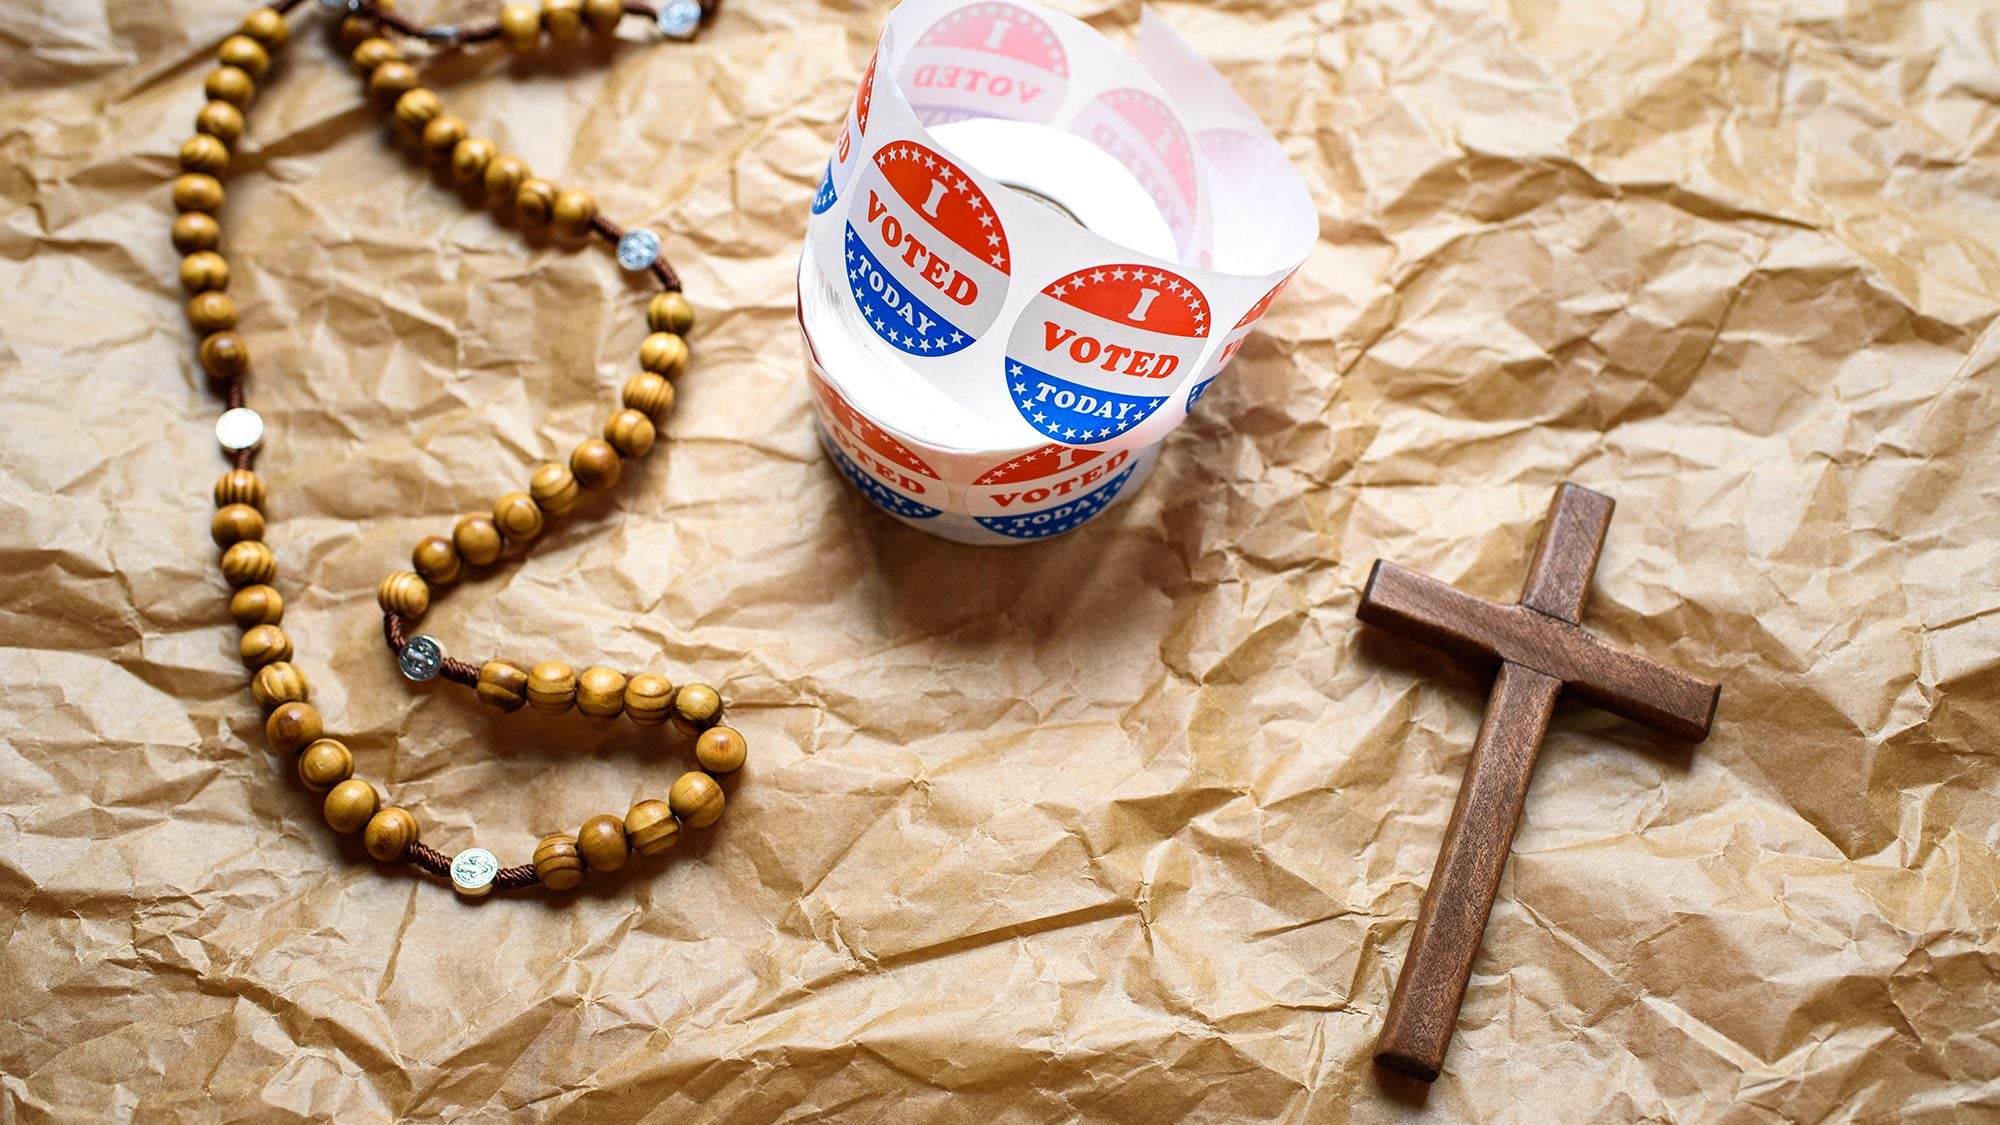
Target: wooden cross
(1542,653)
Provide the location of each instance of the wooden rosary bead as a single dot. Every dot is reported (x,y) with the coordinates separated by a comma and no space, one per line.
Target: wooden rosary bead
(696,799)
(520,27)
(203,153)
(574,209)
(224,355)
(195,230)
(670,312)
(325,764)
(292,727)
(477,539)
(562,18)
(443,134)
(211,311)
(239,486)
(371,54)
(204,270)
(404,593)
(650,827)
(502,685)
(697,707)
(390,80)
(435,560)
(517,516)
(267,26)
(554,488)
(416,107)
(603,15)
(358,29)
(349,806)
(279,682)
(551,687)
(246,55)
(389,834)
(230,84)
(535,200)
(264,644)
(630,432)
(600,692)
(647,699)
(721,749)
(469,158)
(249,563)
(557,863)
(233,523)
(220,120)
(602,842)
(256,605)
(595,464)
(650,394)
(664,353)
(198,191)
(504,177)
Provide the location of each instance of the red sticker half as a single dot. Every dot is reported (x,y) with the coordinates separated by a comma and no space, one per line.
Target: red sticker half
(987,60)
(926,255)
(1094,353)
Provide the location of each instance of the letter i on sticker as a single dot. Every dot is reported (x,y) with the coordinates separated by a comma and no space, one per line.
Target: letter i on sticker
(1097,352)
(927,256)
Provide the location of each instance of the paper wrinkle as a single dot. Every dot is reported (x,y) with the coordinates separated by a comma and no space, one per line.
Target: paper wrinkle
(1132,825)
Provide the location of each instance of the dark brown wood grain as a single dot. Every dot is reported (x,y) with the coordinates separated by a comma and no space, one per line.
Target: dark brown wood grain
(1541,653)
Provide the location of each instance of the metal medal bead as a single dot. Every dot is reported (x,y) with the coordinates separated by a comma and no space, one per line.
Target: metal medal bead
(679,18)
(472,871)
(638,249)
(239,428)
(422,658)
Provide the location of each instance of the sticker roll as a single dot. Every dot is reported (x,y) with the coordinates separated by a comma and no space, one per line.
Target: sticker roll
(1022,256)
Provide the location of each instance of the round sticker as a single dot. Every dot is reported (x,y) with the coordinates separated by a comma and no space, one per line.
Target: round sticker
(1140,132)
(1049,490)
(928,263)
(1094,353)
(840,165)
(986,60)
(888,473)
(1233,342)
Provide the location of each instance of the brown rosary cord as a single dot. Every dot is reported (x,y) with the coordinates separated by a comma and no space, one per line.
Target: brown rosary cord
(325,764)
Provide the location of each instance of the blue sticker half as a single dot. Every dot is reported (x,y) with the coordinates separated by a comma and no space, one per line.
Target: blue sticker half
(1071,412)
(1062,517)
(878,494)
(1200,389)
(825,197)
(892,311)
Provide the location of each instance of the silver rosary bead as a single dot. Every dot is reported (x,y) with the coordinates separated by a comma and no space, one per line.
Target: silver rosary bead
(239,428)
(678,19)
(422,658)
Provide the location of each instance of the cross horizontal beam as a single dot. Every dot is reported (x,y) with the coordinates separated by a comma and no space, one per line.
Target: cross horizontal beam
(1438,614)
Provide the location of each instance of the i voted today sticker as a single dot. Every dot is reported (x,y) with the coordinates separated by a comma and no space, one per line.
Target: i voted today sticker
(1233,342)
(1140,132)
(986,60)
(887,472)
(1094,353)
(840,165)
(926,255)
(1049,490)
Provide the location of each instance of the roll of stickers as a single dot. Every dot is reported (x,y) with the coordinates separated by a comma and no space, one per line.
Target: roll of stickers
(1019,255)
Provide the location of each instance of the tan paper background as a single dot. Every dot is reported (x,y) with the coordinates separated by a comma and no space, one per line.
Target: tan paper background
(1126,826)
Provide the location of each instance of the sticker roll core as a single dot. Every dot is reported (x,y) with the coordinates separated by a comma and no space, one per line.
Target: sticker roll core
(1010,291)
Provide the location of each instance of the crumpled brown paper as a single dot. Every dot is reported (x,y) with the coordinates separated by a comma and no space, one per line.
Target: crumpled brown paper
(1130,825)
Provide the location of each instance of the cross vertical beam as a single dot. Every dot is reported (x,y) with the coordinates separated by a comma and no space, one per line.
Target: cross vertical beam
(1540,651)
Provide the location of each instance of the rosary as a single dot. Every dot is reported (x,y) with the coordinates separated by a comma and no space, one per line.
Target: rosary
(293,726)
